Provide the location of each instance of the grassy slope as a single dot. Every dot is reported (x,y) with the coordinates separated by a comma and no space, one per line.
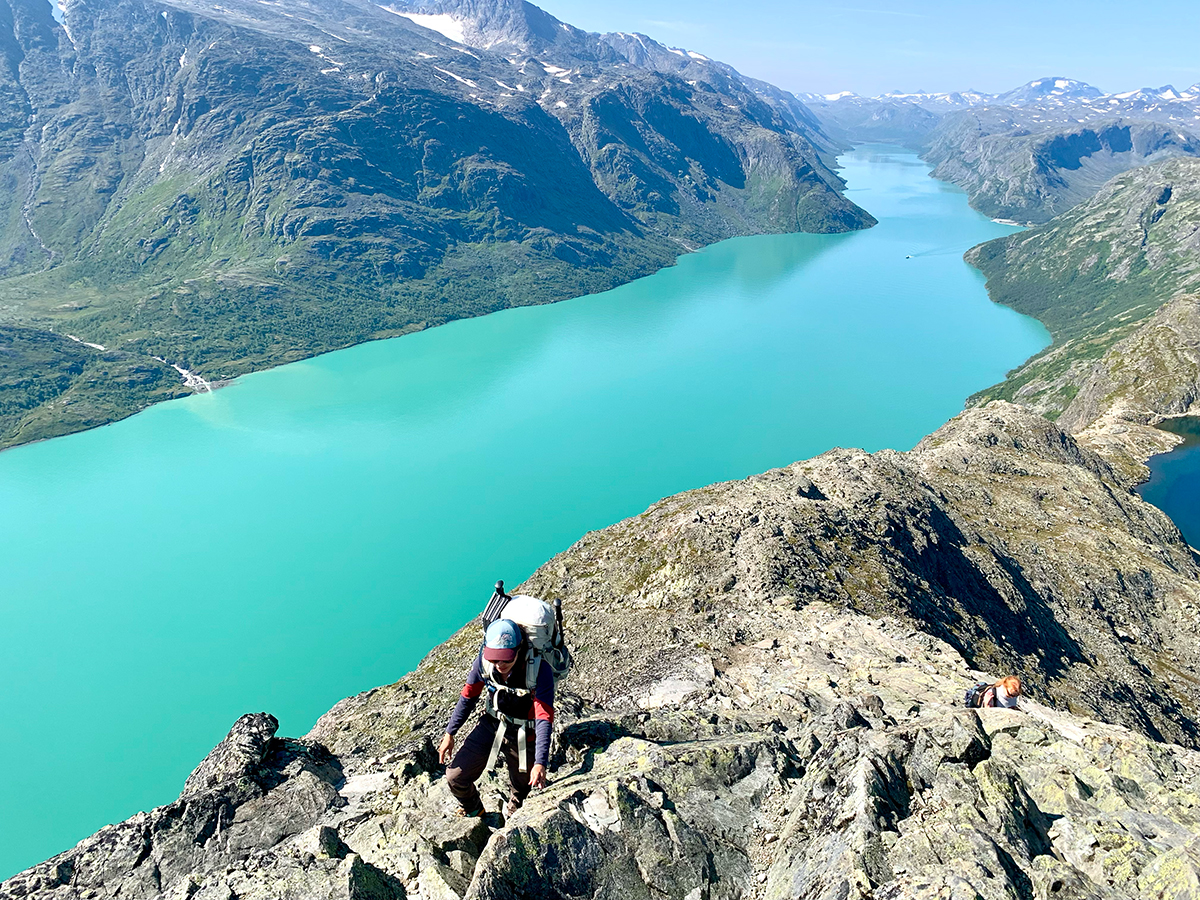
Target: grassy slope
(51,385)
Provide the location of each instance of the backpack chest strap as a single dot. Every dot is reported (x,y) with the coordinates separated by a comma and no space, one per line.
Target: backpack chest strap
(503,721)
(496,689)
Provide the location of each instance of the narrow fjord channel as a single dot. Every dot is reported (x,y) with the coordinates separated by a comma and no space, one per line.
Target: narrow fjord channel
(311,531)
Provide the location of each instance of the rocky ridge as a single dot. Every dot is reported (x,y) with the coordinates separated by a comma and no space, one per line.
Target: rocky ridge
(1144,380)
(765,705)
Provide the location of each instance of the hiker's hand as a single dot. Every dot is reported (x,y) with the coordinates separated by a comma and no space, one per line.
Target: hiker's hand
(445,748)
(537,776)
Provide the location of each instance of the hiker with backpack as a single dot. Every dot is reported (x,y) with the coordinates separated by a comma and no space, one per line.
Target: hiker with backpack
(1004,693)
(516,668)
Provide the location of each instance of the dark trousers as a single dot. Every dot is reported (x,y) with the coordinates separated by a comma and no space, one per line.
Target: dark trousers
(466,767)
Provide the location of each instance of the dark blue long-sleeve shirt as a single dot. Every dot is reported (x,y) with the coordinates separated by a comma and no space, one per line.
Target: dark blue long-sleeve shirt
(539,705)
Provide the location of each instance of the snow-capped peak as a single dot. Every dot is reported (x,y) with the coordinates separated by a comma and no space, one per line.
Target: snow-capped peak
(1053,96)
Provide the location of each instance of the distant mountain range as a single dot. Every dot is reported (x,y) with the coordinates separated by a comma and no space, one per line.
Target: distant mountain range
(1028,154)
(1048,95)
(192,191)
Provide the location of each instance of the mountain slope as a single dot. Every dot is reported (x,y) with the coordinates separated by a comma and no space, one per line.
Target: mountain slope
(1116,281)
(764,704)
(1028,171)
(231,187)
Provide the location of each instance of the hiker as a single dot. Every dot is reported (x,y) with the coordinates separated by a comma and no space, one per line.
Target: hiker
(1004,693)
(501,666)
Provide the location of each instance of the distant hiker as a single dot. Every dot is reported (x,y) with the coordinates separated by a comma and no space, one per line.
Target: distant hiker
(1004,693)
(503,668)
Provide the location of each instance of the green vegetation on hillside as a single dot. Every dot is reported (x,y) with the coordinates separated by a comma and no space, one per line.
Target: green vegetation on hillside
(51,385)
(1094,274)
(227,190)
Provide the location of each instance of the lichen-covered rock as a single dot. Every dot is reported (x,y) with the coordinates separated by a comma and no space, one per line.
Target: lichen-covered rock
(237,756)
(252,792)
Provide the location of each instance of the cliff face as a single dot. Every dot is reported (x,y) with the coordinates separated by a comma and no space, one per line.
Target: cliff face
(765,704)
(231,187)
(1015,165)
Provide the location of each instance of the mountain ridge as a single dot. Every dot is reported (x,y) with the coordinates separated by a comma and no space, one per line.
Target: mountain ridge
(765,704)
(1027,174)
(1048,92)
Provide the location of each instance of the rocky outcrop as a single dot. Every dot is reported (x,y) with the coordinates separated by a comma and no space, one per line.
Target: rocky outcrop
(252,792)
(765,704)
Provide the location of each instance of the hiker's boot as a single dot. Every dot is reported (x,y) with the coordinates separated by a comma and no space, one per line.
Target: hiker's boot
(464,813)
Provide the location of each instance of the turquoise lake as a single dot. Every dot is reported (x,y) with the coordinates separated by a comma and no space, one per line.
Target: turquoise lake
(310,532)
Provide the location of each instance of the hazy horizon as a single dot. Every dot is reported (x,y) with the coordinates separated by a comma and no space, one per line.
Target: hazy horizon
(876,47)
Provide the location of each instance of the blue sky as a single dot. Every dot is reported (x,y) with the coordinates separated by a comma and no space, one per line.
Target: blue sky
(872,46)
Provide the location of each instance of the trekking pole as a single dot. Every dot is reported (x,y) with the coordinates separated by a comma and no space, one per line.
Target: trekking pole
(495,606)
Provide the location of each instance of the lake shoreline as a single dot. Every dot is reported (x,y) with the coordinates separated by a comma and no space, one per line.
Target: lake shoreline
(424,468)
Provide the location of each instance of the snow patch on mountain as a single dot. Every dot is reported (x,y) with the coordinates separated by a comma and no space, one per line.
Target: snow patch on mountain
(443,23)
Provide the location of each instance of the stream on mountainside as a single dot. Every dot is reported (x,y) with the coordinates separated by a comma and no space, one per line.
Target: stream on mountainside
(311,531)
(1174,485)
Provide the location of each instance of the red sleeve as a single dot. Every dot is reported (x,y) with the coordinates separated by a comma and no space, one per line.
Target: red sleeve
(474,686)
(543,695)
(470,696)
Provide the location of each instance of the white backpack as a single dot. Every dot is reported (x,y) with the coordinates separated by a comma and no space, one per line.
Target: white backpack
(542,625)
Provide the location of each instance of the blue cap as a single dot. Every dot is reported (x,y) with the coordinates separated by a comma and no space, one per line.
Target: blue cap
(501,641)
